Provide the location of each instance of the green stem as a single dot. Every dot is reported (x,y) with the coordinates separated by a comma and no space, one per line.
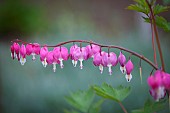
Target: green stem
(123,108)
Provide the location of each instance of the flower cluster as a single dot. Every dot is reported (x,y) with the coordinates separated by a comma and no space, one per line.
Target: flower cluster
(159,83)
(59,54)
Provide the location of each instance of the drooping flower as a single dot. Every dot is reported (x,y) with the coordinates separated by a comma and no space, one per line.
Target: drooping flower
(12,51)
(155,81)
(122,61)
(50,60)
(72,52)
(33,49)
(22,54)
(166,81)
(16,48)
(61,53)
(43,54)
(97,60)
(92,50)
(129,67)
(109,60)
(80,54)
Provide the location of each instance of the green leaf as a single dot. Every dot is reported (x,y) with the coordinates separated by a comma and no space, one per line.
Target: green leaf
(162,23)
(151,107)
(96,107)
(107,91)
(72,111)
(138,8)
(146,19)
(81,100)
(160,8)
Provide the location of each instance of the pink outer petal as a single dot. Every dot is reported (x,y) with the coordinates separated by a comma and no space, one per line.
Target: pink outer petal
(113,59)
(129,67)
(64,53)
(50,58)
(17,49)
(97,60)
(92,50)
(43,53)
(29,49)
(36,48)
(166,81)
(23,51)
(152,82)
(122,59)
(12,51)
(84,53)
(72,50)
(105,59)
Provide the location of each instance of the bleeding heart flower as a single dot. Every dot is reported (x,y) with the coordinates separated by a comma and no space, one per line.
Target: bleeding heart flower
(23,54)
(122,61)
(80,54)
(92,50)
(72,52)
(109,60)
(166,81)
(61,53)
(12,51)
(43,54)
(16,48)
(97,60)
(155,81)
(33,49)
(50,60)
(129,67)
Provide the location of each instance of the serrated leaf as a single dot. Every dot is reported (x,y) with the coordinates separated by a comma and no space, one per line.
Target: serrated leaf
(107,91)
(81,100)
(162,23)
(141,2)
(138,8)
(72,111)
(150,107)
(146,19)
(160,8)
(96,107)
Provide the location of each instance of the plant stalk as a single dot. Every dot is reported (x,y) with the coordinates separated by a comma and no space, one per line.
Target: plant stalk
(156,36)
(123,108)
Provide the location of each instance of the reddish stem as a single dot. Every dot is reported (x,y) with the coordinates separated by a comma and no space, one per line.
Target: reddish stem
(156,35)
(107,46)
(153,42)
(123,108)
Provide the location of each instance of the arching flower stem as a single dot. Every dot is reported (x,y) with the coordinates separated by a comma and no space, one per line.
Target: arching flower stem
(102,46)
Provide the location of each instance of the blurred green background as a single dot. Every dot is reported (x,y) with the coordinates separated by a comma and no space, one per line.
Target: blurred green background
(34,89)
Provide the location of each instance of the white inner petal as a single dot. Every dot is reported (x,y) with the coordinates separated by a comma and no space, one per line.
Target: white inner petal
(110,68)
(123,69)
(160,92)
(81,63)
(128,77)
(101,68)
(61,62)
(22,61)
(54,67)
(44,63)
(33,56)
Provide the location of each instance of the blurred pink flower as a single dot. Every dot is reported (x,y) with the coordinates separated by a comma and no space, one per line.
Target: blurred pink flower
(22,54)
(80,54)
(155,81)
(43,54)
(16,48)
(72,52)
(61,53)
